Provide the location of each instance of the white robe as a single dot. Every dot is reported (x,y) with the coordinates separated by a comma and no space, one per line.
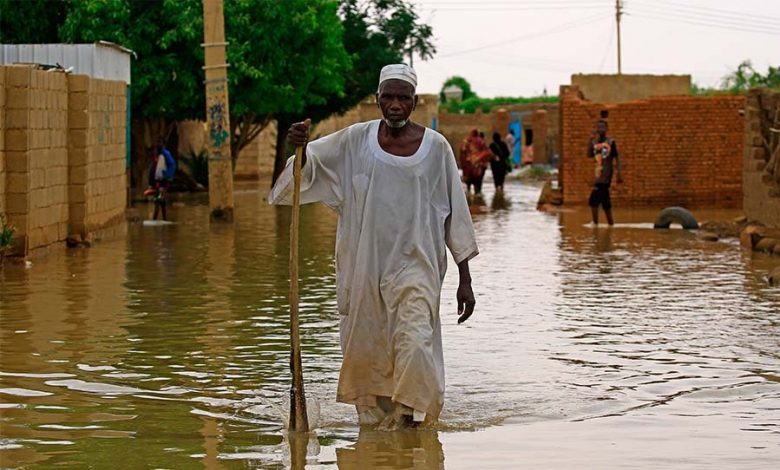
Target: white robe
(396,214)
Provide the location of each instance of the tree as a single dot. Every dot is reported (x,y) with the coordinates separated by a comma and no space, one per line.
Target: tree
(746,77)
(400,23)
(32,21)
(284,57)
(166,75)
(287,59)
(375,33)
(459,82)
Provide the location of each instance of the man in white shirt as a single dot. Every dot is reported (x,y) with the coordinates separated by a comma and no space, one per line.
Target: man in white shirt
(397,191)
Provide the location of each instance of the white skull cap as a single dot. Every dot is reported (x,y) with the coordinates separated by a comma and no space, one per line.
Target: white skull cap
(398,72)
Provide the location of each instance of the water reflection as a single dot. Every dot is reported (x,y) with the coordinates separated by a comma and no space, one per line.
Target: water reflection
(500,201)
(170,347)
(409,449)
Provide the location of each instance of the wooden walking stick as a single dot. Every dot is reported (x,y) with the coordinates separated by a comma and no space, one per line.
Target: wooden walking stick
(299,420)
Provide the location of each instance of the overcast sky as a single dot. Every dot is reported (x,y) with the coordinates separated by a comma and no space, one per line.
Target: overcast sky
(519,47)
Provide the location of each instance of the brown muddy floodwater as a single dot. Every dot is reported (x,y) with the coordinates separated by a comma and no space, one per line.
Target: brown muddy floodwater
(590,348)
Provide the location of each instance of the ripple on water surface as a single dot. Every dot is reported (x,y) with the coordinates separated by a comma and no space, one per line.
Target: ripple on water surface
(171,346)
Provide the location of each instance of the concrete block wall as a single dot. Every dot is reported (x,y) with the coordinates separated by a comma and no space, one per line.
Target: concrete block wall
(761,172)
(611,88)
(455,127)
(2,140)
(47,154)
(674,150)
(62,137)
(105,190)
(256,160)
(36,160)
(17,91)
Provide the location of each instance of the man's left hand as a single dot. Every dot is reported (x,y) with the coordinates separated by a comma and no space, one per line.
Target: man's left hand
(466,301)
(619,179)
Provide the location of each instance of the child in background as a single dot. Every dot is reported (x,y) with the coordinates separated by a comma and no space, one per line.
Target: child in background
(160,176)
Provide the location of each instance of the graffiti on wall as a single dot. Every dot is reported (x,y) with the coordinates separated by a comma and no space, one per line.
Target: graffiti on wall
(217,117)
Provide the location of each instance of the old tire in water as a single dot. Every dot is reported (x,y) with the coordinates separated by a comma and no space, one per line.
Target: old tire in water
(678,215)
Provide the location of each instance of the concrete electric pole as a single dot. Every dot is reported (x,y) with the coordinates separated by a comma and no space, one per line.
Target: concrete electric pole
(217,112)
(618,14)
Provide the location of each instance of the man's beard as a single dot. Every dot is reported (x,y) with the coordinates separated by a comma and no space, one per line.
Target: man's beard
(395,124)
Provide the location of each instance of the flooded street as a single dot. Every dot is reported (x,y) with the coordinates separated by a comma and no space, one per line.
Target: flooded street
(621,347)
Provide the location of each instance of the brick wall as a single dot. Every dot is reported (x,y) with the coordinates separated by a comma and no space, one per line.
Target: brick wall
(64,155)
(540,124)
(455,127)
(674,150)
(761,167)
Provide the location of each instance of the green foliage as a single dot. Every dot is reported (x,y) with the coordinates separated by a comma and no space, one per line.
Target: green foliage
(288,57)
(399,23)
(461,83)
(746,77)
(6,234)
(291,58)
(471,105)
(284,56)
(471,102)
(32,21)
(165,35)
(697,90)
(198,163)
(375,33)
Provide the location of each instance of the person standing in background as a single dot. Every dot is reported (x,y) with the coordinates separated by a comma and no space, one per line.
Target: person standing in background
(474,158)
(160,177)
(510,143)
(499,164)
(603,151)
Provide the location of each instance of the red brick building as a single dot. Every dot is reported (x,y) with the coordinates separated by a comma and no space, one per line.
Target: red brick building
(676,150)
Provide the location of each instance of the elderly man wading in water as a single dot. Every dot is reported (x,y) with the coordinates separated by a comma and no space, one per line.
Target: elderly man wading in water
(396,189)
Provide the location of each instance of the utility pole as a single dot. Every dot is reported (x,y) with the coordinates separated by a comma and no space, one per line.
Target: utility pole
(618,14)
(217,112)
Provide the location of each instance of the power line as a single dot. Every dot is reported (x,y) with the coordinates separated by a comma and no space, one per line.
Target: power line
(618,14)
(745,23)
(504,6)
(716,12)
(517,3)
(607,50)
(557,29)
(732,27)
(504,10)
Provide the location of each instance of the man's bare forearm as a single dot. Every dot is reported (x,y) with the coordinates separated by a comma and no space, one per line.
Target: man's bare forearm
(463,271)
